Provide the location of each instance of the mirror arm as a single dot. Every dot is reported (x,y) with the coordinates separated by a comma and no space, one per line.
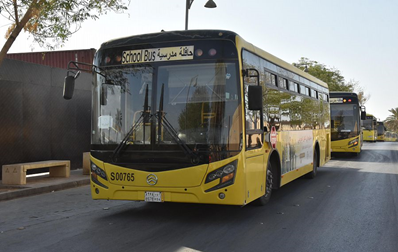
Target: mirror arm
(245,72)
(74,68)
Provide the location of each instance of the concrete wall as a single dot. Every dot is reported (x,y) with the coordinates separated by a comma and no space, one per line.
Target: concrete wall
(36,123)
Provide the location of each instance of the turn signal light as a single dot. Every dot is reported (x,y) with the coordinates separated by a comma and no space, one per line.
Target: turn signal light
(353,142)
(226,178)
(224,175)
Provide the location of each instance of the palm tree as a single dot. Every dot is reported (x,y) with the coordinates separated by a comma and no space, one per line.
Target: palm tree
(392,120)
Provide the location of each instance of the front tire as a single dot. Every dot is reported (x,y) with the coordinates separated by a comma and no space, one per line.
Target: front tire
(263,200)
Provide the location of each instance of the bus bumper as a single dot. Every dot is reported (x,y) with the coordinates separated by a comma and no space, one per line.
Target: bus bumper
(189,185)
(347,145)
(351,150)
(227,196)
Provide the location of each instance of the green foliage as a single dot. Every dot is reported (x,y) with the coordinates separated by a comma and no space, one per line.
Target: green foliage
(52,22)
(392,120)
(332,77)
(362,97)
(58,20)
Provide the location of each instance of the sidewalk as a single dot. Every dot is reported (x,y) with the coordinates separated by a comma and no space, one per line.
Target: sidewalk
(43,184)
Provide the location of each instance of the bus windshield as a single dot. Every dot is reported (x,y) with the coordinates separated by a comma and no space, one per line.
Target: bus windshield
(199,105)
(380,129)
(345,120)
(368,124)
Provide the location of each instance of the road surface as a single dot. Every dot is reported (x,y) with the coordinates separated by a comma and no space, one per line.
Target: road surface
(352,205)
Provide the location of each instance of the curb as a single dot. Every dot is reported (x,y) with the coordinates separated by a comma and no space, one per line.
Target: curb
(40,190)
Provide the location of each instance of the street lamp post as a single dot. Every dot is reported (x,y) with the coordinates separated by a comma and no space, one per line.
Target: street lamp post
(209,4)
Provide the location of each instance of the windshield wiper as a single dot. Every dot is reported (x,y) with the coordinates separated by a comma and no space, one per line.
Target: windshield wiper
(162,121)
(145,116)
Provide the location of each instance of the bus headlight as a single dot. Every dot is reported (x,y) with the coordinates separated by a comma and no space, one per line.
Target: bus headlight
(225,175)
(96,171)
(353,142)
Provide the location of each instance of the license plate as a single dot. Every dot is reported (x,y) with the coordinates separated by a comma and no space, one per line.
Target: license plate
(153,196)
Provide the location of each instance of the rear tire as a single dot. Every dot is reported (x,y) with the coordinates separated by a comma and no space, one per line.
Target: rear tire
(314,171)
(263,200)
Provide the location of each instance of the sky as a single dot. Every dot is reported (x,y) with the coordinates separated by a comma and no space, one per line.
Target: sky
(357,37)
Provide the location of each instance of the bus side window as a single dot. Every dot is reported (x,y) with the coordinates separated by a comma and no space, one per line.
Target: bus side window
(307,91)
(273,79)
(313,93)
(268,78)
(292,86)
(301,89)
(283,83)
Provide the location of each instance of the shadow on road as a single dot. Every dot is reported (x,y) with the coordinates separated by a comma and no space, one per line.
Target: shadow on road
(378,156)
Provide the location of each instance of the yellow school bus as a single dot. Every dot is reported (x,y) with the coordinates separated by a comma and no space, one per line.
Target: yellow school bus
(200,116)
(381,129)
(369,127)
(346,114)
(390,136)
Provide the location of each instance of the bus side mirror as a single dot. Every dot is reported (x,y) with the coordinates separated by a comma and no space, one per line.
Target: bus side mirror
(255,97)
(69,86)
(363,115)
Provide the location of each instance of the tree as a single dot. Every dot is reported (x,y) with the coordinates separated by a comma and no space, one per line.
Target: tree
(392,120)
(54,20)
(332,77)
(362,97)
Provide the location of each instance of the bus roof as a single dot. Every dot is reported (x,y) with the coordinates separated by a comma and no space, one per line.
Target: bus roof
(170,36)
(278,61)
(342,93)
(207,34)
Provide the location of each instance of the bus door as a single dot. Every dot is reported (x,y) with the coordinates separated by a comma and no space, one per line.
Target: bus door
(254,138)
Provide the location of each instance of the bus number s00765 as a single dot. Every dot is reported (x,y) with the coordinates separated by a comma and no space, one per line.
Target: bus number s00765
(122,176)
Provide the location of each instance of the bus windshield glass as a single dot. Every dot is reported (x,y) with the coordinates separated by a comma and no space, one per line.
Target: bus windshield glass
(368,124)
(380,129)
(345,120)
(160,105)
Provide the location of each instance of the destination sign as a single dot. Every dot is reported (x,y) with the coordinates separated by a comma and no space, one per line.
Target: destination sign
(158,54)
(336,100)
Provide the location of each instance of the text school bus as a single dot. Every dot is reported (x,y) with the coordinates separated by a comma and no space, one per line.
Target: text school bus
(200,117)
(346,114)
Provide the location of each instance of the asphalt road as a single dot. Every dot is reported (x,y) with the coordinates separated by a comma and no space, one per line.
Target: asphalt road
(352,205)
